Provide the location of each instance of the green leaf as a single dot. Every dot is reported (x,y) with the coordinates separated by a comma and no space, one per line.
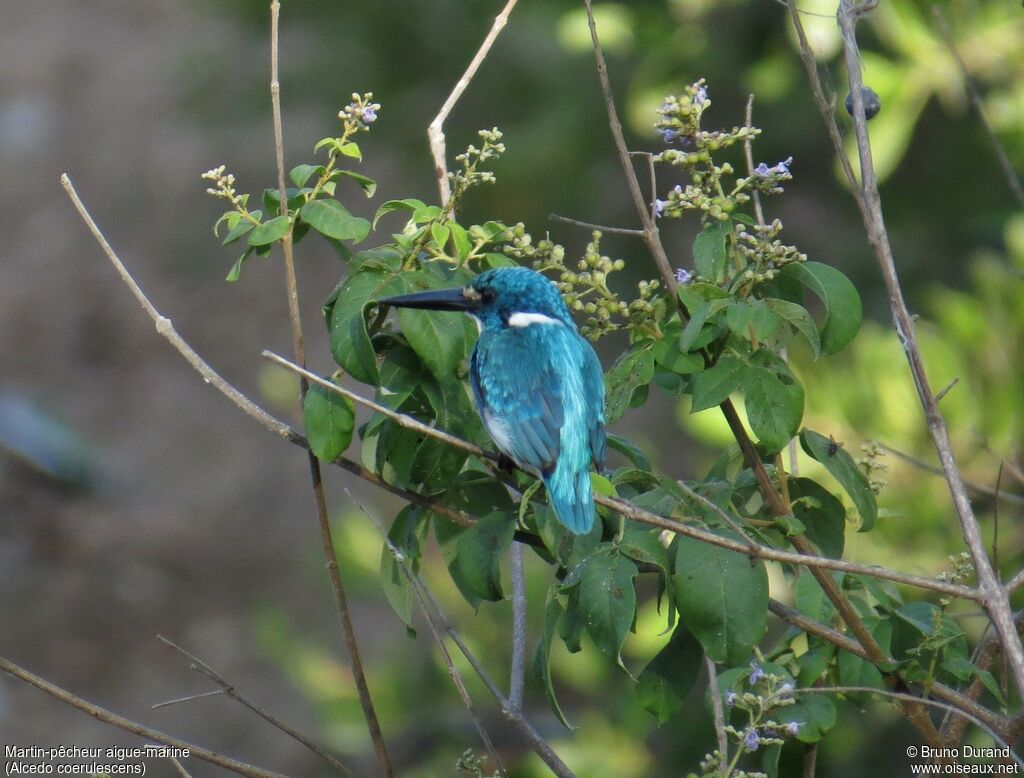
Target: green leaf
(751,320)
(443,341)
(811,600)
(722,597)
(240,229)
(800,319)
(709,252)
(367,184)
(822,513)
(397,588)
(703,314)
(329,420)
(816,714)
(643,544)
(774,400)
(270,231)
(628,450)
(410,204)
(843,310)
(633,370)
(480,549)
(607,598)
(460,237)
(236,269)
(440,233)
(668,356)
(668,679)
(300,173)
(712,386)
(553,612)
(351,149)
(332,220)
(842,467)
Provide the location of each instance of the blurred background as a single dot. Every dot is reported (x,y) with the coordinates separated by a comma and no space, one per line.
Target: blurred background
(135,500)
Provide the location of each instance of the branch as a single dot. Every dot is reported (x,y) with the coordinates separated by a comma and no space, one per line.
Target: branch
(106,716)
(601,227)
(432,610)
(995,598)
(435,132)
(1012,180)
(228,689)
(974,487)
(517,679)
(643,208)
(716,706)
(316,477)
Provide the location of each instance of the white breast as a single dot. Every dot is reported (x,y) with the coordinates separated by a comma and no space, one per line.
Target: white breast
(520,319)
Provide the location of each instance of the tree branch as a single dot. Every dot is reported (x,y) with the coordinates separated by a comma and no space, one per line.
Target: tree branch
(517,676)
(106,716)
(316,477)
(228,689)
(435,131)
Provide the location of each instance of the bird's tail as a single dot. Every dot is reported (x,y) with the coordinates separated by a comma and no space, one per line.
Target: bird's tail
(570,496)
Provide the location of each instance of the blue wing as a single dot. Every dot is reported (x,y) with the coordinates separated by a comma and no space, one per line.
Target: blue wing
(540,393)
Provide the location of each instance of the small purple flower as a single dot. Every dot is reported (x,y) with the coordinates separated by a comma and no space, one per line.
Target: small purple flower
(701,96)
(730,696)
(684,276)
(668,134)
(786,689)
(659,207)
(751,740)
(793,727)
(369,114)
(756,673)
(781,169)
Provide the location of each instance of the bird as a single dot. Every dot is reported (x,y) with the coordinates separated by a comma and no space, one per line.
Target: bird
(538,385)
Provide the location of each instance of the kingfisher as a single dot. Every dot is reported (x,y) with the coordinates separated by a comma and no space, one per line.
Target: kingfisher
(537,383)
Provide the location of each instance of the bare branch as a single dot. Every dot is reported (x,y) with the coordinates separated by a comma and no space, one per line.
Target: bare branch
(316,477)
(748,152)
(188,698)
(106,716)
(517,680)
(1012,179)
(643,208)
(435,132)
(592,226)
(995,598)
(229,689)
(973,486)
(716,706)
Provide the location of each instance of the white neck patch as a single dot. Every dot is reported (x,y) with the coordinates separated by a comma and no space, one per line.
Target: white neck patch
(520,319)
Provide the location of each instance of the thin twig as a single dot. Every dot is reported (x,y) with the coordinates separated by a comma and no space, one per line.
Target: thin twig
(106,716)
(188,698)
(1012,179)
(643,208)
(748,152)
(973,486)
(435,132)
(716,705)
(995,522)
(995,598)
(229,689)
(180,768)
(316,477)
(717,510)
(911,698)
(810,760)
(517,676)
(592,226)
(945,390)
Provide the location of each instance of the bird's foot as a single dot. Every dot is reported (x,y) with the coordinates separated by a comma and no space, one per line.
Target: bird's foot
(505,462)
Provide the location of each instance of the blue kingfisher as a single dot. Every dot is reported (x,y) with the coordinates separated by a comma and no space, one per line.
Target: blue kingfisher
(538,384)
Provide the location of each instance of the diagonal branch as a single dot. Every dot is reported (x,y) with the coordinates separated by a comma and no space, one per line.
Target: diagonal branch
(435,132)
(316,477)
(108,717)
(229,690)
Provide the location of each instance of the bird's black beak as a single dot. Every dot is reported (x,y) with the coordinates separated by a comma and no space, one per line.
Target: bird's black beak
(467,299)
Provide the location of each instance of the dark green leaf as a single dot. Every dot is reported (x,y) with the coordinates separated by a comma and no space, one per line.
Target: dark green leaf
(628,450)
(774,400)
(397,588)
(238,231)
(329,420)
(822,514)
(270,231)
(390,206)
(643,544)
(711,387)
(842,303)
(811,600)
(633,370)
(368,185)
(668,356)
(703,314)
(236,269)
(542,655)
(480,549)
(815,713)
(332,220)
(300,173)
(440,233)
(751,321)
(709,251)
(800,319)
(442,340)
(351,149)
(722,597)
(607,599)
(670,676)
(460,237)
(842,467)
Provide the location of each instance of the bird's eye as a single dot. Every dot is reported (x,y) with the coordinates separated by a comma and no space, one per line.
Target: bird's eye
(487,296)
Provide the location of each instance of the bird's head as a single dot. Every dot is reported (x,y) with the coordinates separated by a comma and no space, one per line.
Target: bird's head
(505,297)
